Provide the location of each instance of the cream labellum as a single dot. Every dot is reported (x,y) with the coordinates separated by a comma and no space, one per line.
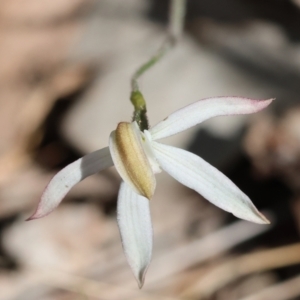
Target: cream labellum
(127,147)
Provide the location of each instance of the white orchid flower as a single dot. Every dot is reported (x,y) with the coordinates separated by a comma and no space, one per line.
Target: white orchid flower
(137,156)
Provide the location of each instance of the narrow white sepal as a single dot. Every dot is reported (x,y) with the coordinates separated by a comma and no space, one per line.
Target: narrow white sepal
(204,109)
(135,226)
(64,180)
(192,171)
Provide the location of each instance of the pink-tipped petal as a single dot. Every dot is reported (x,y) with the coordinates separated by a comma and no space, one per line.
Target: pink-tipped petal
(64,180)
(135,227)
(202,110)
(197,174)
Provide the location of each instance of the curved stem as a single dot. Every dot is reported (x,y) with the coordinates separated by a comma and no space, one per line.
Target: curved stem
(176,17)
(176,23)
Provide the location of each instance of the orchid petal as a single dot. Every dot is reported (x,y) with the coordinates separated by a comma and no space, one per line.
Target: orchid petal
(64,180)
(192,171)
(135,226)
(202,110)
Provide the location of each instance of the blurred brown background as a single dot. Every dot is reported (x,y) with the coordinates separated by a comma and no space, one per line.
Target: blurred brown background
(65,68)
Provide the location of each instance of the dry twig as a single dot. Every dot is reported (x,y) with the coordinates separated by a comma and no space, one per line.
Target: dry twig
(241,266)
(289,289)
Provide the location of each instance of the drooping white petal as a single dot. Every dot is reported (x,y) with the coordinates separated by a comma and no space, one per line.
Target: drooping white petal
(202,110)
(197,174)
(64,180)
(135,226)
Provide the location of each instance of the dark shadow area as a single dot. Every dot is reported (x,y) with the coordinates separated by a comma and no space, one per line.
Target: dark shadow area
(7,261)
(269,194)
(53,151)
(284,13)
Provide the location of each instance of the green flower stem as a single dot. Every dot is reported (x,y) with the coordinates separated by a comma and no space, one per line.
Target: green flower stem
(177,14)
(167,45)
(176,23)
(140,110)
